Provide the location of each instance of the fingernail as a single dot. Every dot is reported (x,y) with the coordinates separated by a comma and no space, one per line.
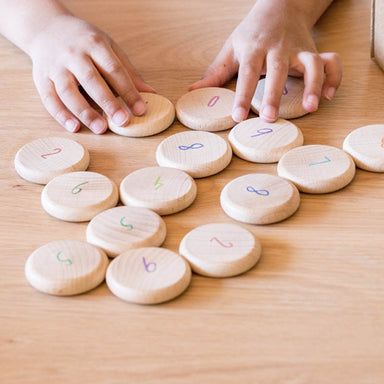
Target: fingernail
(139,108)
(98,126)
(312,102)
(120,117)
(269,113)
(71,125)
(239,114)
(330,93)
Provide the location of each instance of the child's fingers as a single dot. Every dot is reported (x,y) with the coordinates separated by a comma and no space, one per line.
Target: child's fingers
(313,79)
(249,73)
(333,74)
(138,82)
(220,71)
(116,75)
(68,91)
(276,77)
(55,106)
(95,86)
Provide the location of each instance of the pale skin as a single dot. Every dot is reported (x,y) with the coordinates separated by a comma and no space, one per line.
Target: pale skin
(67,52)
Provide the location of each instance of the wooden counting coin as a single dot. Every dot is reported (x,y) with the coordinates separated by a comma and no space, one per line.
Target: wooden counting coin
(163,190)
(261,142)
(200,154)
(159,116)
(79,196)
(220,250)
(259,198)
(66,267)
(366,146)
(291,102)
(206,109)
(43,159)
(120,229)
(317,168)
(148,275)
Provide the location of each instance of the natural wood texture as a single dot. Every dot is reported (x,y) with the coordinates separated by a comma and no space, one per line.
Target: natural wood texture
(206,109)
(260,142)
(66,268)
(164,190)
(311,311)
(158,117)
(317,168)
(148,275)
(366,146)
(200,154)
(220,249)
(42,159)
(120,229)
(79,196)
(259,198)
(291,100)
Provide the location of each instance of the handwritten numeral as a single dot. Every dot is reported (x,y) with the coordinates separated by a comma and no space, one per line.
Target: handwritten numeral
(382,142)
(192,146)
(327,160)
(229,245)
(69,261)
(129,227)
(262,131)
(149,267)
(261,192)
(213,101)
(76,189)
(54,152)
(158,183)
(285,92)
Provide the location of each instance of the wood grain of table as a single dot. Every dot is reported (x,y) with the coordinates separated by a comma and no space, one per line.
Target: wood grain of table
(312,311)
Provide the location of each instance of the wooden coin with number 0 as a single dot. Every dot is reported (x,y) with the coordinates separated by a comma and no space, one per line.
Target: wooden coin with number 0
(206,109)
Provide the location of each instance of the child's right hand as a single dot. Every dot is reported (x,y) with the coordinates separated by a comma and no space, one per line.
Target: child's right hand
(69,53)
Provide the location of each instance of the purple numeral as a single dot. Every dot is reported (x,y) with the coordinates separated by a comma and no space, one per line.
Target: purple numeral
(149,267)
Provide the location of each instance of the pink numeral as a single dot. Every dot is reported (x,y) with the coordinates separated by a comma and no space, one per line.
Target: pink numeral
(55,152)
(213,101)
(382,142)
(229,245)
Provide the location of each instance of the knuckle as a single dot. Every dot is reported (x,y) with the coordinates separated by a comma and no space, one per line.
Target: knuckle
(277,66)
(109,106)
(86,115)
(89,75)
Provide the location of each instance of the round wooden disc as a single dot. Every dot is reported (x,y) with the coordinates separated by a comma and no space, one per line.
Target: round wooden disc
(317,168)
(261,142)
(198,153)
(259,198)
(163,190)
(66,267)
(79,196)
(159,116)
(366,146)
(206,109)
(43,159)
(291,102)
(120,229)
(220,250)
(148,275)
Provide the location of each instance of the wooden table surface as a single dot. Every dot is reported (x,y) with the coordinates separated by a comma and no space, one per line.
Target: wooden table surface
(312,310)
